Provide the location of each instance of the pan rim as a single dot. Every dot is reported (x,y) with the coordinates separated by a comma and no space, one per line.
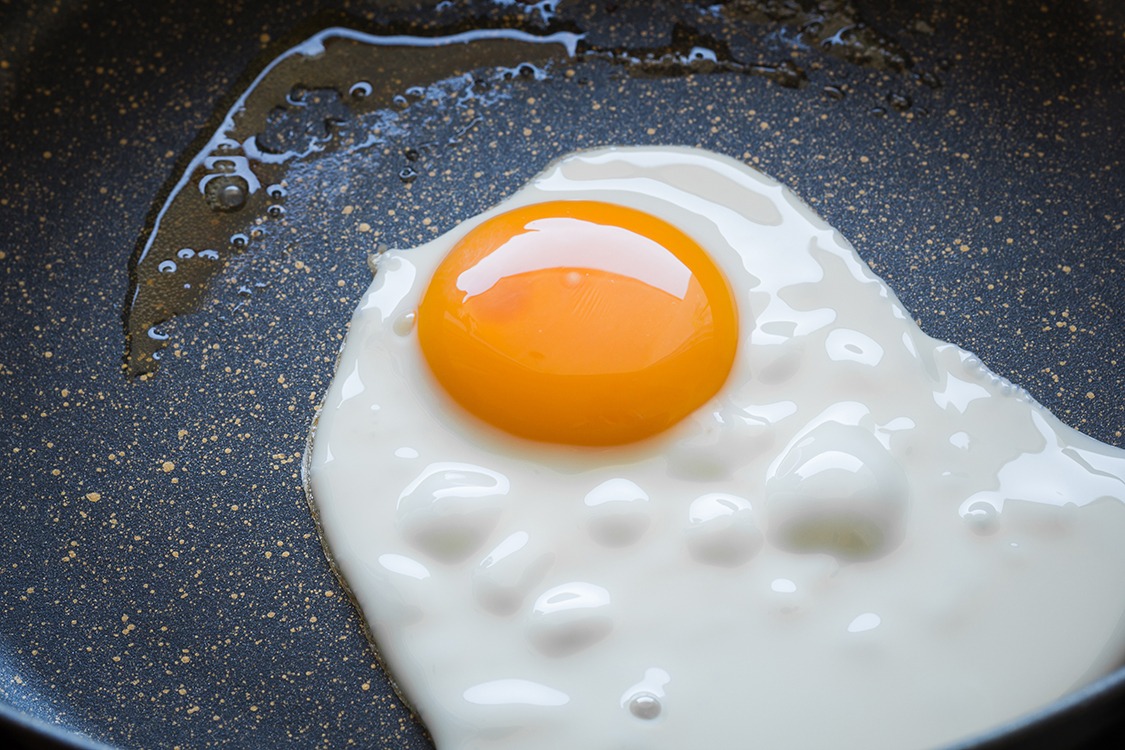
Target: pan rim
(1076,706)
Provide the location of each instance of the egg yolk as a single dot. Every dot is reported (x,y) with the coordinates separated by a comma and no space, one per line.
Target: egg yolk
(578,322)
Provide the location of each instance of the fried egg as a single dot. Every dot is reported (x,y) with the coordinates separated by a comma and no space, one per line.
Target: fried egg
(647,457)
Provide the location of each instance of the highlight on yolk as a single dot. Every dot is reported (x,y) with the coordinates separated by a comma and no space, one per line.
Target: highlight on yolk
(578,322)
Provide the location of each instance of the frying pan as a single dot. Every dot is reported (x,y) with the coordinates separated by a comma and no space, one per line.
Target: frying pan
(162,580)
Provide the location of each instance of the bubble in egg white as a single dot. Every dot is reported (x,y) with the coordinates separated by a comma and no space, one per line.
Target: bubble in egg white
(507,574)
(865,538)
(722,530)
(450,508)
(838,491)
(618,512)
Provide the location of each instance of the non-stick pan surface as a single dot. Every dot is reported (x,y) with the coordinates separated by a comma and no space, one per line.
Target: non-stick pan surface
(162,581)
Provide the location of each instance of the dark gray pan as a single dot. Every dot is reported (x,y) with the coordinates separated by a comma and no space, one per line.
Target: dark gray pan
(193,607)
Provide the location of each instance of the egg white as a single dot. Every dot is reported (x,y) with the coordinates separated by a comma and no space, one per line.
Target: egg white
(865,537)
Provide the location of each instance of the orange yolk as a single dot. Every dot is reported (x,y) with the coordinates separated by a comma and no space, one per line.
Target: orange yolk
(578,322)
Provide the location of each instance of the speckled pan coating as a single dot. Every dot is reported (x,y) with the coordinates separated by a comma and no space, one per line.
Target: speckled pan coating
(162,582)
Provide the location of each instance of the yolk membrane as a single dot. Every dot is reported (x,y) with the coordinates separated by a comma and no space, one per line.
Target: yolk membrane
(578,322)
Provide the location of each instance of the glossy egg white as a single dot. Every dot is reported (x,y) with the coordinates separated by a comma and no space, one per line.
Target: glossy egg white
(865,539)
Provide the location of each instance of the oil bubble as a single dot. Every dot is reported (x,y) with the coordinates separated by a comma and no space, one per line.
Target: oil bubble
(167,266)
(645,706)
(408,174)
(526,71)
(156,334)
(276,191)
(901,102)
(928,79)
(834,92)
(209,254)
(185,253)
(239,241)
(226,192)
(296,96)
(360,89)
(275,211)
(982,517)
